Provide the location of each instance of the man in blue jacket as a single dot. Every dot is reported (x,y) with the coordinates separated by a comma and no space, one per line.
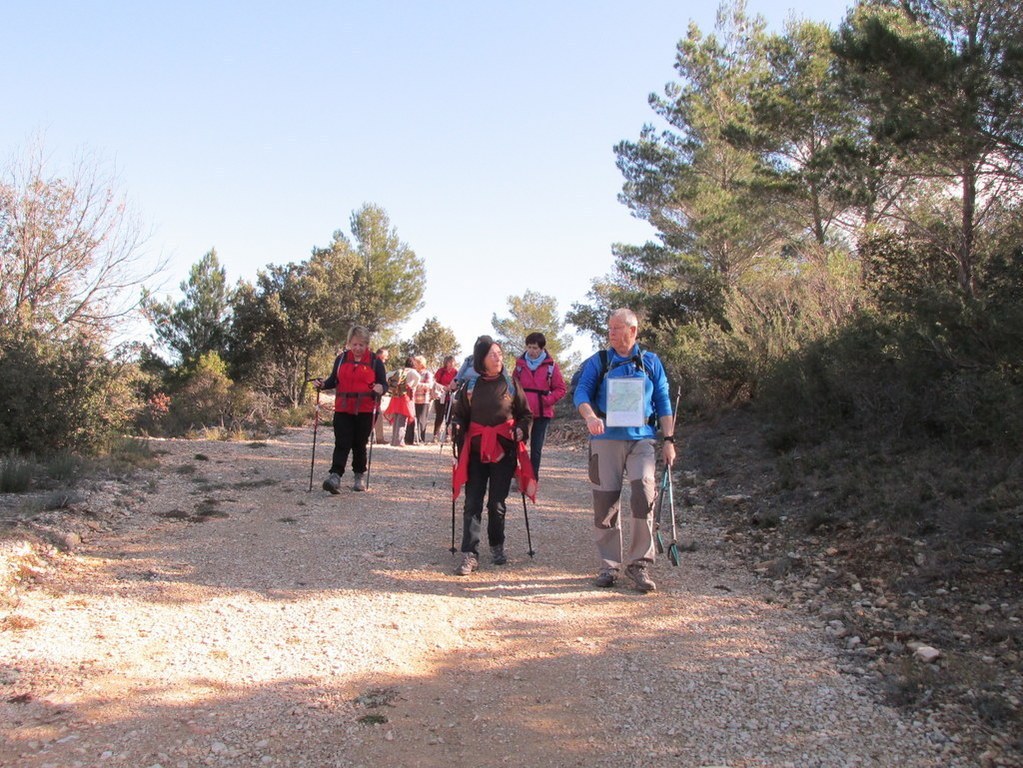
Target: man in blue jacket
(623,395)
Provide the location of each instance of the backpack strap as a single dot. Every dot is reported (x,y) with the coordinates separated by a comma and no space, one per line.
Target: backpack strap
(520,363)
(639,360)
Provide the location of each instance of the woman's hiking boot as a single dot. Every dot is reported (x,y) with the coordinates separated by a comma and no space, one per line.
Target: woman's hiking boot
(333,483)
(360,481)
(637,572)
(497,555)
(469,564)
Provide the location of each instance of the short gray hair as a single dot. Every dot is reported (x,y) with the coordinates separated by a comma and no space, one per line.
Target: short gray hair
(626,315)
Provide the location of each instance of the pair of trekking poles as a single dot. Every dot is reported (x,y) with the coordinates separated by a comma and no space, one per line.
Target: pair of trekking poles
(667,489)
(525,510)
(316,424)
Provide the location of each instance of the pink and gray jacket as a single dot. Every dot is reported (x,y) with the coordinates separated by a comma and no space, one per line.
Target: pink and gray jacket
(543,387)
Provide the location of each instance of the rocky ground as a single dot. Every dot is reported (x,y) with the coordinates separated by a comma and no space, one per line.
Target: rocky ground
(929,620)
(213,611)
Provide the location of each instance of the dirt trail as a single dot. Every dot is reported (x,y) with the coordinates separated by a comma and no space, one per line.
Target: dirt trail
(302,629)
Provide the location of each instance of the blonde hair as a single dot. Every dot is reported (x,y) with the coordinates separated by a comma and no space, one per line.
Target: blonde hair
(361,331)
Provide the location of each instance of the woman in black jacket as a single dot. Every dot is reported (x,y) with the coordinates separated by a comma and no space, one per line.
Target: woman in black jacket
(490,419)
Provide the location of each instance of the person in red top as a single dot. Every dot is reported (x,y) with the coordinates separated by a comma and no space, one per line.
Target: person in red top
(541,380)
(358,380)
(441,382)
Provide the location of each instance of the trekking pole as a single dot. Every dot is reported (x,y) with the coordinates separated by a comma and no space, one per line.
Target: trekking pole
(659,502)
(447,420)
(372,436)
(316,423)
(454,464)
(452,550)
(673,547)
(525,512)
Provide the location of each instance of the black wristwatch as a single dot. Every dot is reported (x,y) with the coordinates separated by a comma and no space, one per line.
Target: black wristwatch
(669,438)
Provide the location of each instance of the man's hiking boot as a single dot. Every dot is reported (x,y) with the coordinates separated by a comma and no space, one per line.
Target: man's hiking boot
(333,483)
(637,572)
(469,564)
(606,578)
(360,481)
(498,555)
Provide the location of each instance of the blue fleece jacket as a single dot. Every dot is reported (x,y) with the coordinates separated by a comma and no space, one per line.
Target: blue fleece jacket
(658,394)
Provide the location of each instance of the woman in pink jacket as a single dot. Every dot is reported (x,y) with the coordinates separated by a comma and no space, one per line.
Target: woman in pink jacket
(540,378)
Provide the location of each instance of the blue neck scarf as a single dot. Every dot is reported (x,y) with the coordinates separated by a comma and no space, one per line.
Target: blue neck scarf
(534,362)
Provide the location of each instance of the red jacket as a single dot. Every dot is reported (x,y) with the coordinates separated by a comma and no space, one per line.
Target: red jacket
(352,382)
(543,387)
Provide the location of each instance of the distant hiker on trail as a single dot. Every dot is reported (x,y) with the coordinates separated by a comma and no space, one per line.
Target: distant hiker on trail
(400,385)
(490,418)
(358,380)
(623,427)
(540,378)
(442,396)
(467,371)
(415,432)
(382,355)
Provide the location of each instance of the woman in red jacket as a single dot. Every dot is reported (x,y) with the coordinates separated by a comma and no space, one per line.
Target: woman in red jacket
(358,380)
(441,391)
(541,380)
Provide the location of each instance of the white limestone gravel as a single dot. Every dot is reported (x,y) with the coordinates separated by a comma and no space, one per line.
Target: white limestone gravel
(304,629)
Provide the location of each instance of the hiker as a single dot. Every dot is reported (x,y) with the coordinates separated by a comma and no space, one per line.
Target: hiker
(400,385)
(382,355)
(490,418)
(540,378)
(416,430)
(441,379)
(624,442)
(466,371)
(358,380)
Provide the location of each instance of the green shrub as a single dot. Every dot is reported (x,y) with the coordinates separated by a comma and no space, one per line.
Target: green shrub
(16,474)
(951,371)
(203,401)
(293,417)
(63,467)
(66,396)
(767,316)
(132,453)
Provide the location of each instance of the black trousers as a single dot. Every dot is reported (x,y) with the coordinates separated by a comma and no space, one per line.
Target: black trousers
(498,477)
(351,435)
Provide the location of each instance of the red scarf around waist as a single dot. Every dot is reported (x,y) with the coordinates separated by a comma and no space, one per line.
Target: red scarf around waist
(491,452)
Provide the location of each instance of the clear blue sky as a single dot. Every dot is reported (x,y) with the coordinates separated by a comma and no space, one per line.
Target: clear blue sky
(485,130)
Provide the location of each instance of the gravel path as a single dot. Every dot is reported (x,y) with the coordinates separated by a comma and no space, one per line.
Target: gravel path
(291,628)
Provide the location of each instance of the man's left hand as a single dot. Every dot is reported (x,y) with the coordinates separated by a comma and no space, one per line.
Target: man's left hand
(668,452)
